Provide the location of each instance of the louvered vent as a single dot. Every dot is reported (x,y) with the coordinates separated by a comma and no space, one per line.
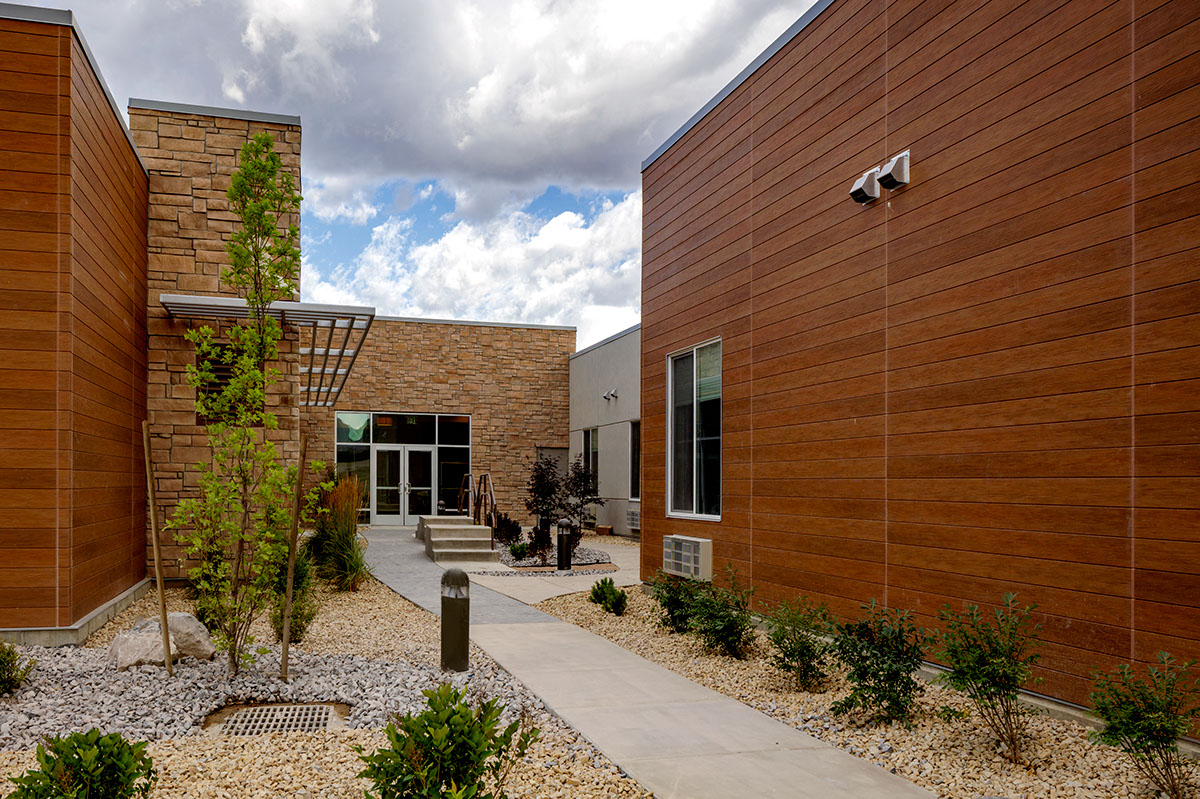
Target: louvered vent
(686,556)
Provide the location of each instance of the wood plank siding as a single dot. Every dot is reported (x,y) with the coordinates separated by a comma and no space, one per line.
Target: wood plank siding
(986,381)
(72,335)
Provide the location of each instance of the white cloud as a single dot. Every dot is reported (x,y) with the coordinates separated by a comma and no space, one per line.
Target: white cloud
(339,199)
(305,40)
(516,268)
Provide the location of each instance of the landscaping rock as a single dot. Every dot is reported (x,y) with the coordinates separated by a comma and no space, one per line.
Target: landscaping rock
(189,636)
(142,645)
(370,649)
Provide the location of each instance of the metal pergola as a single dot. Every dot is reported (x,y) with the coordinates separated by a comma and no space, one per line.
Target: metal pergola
(335,335)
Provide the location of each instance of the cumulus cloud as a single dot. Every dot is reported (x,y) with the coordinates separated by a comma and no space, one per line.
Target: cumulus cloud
(516,268)
(339,199)
(494,99)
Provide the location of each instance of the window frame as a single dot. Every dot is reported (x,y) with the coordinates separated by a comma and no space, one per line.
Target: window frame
(437,446)
(635,464)
(671,513)
(592,435)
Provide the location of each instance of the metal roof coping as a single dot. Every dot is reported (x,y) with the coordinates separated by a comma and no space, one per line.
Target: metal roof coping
(608,340)
(214,111)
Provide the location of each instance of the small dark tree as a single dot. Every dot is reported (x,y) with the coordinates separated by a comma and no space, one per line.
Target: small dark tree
(1145,715)
(544,491)
(578,498)
(990,662)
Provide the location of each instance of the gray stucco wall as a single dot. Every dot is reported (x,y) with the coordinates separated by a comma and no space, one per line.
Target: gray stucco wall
(612,366)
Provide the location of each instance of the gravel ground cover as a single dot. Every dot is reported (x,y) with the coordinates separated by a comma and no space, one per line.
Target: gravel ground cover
(371,649)
(584,556)
(954,759)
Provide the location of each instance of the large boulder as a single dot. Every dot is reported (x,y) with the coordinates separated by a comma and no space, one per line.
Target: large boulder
(141,645)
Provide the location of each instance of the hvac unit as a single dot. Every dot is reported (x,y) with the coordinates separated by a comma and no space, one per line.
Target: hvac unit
(633,519)
(685,556)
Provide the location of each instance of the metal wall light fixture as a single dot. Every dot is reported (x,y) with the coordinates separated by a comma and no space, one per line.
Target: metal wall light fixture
(891,175)
(895,172)
(866,188)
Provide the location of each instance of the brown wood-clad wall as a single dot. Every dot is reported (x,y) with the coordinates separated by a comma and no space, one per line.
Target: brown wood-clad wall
(35,262)
(986,381)
(108,321)
(72,335)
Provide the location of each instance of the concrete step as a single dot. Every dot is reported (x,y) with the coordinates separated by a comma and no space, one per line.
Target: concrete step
(478,533)
(443,555)
(440,544)
(444,520)
(424,522)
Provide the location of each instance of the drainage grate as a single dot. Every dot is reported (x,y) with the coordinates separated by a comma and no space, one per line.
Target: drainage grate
(277,718)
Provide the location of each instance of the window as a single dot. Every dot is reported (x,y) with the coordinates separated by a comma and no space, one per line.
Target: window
(694,429)
(591,453)
(635,460)
(357,434)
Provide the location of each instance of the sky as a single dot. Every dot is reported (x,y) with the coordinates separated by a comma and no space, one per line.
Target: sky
(460,160)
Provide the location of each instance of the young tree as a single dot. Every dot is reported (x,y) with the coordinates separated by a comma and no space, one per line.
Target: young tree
(242,512)
(544,500)
(578,498)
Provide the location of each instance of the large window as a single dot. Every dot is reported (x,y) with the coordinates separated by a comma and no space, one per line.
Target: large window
(450,436)
(694,429)
(591,453)
(635,460)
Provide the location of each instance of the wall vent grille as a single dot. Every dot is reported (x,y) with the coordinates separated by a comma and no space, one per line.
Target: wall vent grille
(633,518)
(685,556)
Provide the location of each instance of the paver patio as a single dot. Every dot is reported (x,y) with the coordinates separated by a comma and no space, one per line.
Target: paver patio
(677,738)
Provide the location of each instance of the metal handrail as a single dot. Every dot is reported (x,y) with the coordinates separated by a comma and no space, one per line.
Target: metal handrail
(466,490)
(485,510)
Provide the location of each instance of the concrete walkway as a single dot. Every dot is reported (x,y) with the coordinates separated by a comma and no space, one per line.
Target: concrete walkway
(675,737)
(532,590)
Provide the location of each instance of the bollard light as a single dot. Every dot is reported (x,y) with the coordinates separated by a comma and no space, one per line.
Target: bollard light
(456,620)
(564,544)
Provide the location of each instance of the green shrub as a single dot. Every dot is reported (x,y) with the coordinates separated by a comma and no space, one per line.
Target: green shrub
(990,661)
(880,652)
(12,671)
(304,603)
(541,543)
(87,765)
(720,617)
(335,547)
(795,630)
(451,750)
(1144,717)
(508,530)
(519,550)
(608,596)
(675,597)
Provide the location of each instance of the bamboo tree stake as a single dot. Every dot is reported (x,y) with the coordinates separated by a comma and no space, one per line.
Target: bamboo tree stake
(158,574)
(291,566)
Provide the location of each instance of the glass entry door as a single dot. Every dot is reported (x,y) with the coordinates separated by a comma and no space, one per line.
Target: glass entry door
(401,484)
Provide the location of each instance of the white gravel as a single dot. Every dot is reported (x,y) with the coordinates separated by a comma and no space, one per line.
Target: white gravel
(584,556)
(372,650)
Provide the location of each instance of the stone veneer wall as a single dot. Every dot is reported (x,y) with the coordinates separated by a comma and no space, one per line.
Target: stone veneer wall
(513,381)
(190,157)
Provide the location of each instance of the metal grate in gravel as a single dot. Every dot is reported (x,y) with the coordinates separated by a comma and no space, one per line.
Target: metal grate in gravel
(277,718)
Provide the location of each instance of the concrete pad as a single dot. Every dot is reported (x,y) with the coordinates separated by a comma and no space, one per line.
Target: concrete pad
(811,774)
(595,688)
(715,726)
(552,645)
